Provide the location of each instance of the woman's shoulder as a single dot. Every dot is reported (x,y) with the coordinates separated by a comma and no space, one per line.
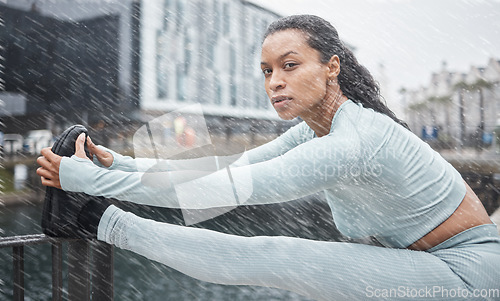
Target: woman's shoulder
(366,119)
(370,128)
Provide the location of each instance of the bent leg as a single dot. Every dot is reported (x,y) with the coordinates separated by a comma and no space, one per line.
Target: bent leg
(316,269)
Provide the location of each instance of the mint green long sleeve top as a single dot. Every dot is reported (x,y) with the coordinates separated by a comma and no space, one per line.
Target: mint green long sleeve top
(379,178)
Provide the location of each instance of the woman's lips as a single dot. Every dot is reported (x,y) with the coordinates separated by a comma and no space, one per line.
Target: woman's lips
(279,101)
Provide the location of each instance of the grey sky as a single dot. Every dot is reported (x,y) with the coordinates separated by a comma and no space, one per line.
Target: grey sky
(411,38)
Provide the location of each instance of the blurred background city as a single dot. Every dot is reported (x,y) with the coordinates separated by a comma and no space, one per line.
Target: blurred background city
(115,65)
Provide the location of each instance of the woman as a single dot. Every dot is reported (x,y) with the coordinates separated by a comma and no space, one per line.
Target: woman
(379,179)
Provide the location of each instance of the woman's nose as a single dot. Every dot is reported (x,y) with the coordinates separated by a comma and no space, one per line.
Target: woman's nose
(277,81)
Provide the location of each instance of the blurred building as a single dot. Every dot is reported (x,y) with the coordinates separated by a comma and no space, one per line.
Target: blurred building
(125,62)
(64,70)
(204,52)
(457,109)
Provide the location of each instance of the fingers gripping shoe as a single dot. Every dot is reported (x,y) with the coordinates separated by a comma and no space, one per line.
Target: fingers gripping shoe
(61,208)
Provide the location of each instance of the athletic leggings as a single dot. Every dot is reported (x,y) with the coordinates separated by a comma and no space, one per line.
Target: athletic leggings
(465,267)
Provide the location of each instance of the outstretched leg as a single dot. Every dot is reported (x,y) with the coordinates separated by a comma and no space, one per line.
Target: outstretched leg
(317,269)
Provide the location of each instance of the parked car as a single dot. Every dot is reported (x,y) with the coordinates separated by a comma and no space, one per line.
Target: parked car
(36,140)
(12,143)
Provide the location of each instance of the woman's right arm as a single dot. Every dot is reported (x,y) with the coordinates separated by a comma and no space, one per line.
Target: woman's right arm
(291,138)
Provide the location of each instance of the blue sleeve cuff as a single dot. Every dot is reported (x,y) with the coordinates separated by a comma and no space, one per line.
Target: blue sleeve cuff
(73,172)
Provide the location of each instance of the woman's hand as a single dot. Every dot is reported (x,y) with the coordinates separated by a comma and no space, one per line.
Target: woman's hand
(103,156)
(50,163)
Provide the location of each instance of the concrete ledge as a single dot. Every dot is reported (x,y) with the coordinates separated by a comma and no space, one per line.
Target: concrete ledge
(20,198)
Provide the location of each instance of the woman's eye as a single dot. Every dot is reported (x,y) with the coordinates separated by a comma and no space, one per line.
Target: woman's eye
(266,71)
(290,65)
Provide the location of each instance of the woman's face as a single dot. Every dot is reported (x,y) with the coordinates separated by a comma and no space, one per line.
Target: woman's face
(295,78)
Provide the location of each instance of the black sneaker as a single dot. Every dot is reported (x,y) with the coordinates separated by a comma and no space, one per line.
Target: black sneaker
(61,208)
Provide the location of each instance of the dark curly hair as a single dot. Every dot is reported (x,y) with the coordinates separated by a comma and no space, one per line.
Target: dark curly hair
(355,80)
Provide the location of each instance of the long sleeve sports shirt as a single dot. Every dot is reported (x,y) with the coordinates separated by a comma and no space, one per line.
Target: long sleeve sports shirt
(378,178)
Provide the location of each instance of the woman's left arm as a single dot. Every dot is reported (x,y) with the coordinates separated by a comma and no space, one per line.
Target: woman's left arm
(310,167)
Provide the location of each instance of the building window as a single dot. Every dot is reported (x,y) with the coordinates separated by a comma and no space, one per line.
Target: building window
(233,93)
(218,91)
(216,16)
(187,51)
(162,85)
(179,16)
(226,18)
(210,58)
(168,14)
(181,95)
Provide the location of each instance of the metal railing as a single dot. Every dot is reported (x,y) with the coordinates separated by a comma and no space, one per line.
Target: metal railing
(90,267)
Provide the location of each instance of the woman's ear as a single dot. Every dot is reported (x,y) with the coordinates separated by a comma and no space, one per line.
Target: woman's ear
(333,67)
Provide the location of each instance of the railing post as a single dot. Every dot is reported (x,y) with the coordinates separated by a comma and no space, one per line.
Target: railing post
(78,270)
(90,267)
(18,261)
(57,267)
(102,271)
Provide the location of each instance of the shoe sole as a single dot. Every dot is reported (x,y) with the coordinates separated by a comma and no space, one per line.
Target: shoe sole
(61,208)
